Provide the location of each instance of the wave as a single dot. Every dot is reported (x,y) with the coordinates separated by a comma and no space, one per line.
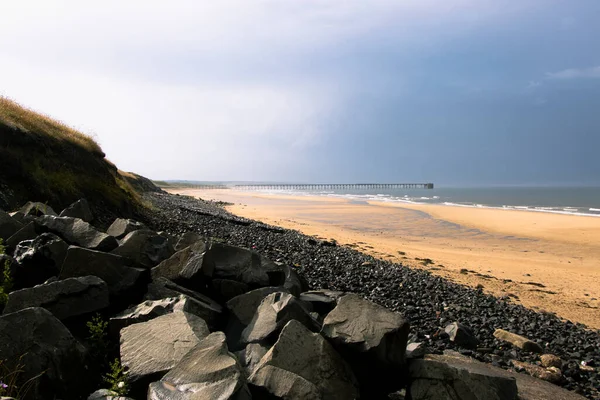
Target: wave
(595,209)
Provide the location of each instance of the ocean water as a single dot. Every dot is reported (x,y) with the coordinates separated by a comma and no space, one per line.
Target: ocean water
(559,200)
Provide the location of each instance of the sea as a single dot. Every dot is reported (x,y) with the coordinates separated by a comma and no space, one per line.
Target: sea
(557,200)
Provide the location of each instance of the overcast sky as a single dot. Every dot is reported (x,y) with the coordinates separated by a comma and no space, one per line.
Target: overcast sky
(452,92)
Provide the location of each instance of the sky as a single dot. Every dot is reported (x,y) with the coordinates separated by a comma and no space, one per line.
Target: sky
(455,92)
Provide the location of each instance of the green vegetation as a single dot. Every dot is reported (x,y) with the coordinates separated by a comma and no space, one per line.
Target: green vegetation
(98,334)
(45,160)
(117,378)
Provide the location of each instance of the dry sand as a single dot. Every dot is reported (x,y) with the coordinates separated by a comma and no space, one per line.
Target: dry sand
(544,261)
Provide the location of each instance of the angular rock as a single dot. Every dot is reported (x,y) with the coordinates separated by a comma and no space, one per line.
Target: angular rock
(529,388)
(121,280)
(436,377)
(78,232)
(550,360)
(19,216)
(293,282)
(372,338)
(8,225)
(323,300)
(303,365)
(518,341)
(187,239)
(208,371)
(225,289)
(251,356)
(461,335)
(145,248)
(150,349)
(27,232)
(551,374)
(37,209)
(222,261)
(122,227)
(38,259)
(184,266)
(105,394)
(68,298)
(206,308)
(415,350)
(151,309)
(41,344)
(241,311)
(273,313)
(80,209)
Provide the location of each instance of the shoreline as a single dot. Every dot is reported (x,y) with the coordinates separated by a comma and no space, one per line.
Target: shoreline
(547,262)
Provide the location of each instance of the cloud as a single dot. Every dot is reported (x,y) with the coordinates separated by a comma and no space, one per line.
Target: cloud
(575,73)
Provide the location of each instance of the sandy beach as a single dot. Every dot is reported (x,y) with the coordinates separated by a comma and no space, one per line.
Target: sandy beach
(544,261)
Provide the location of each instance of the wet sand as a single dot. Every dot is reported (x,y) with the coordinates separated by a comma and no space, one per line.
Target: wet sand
(544,261)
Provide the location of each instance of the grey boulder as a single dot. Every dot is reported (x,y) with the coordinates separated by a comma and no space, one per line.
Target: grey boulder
(303,365)
(145,248)
(48,354)
(27,232)
(208,371)
(68,298)
(105,394)
(518,341)
(184,266)
(322,301)
(112,269)
(372,338)
(8,225)
(80,209)
(150,349)
(38,259)
(461,335)
(273,313)
(78,232)
(250,356)
(122,227)
(187,239)
(37,209)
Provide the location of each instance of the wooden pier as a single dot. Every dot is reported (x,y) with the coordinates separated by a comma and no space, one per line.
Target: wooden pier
(320,186)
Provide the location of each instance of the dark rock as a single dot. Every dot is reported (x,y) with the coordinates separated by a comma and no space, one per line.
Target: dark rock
(28,232)
(322,301)
(206,308)
(226,289)
(122,227)
(8,225)
(105,394)
(78,232)
(302,365)
(145,248)
(149,349)
(19,216)
(184,266)
(440,378)
(415,350)
(80,209)
(461,335)
(276,310)
(372,338)
(251,355)
(151,309)
(122,281)
(37,209)
(49,356)
(38,259)
(208,371)
(293,282)
(518,341)
(188,239)
(68,298)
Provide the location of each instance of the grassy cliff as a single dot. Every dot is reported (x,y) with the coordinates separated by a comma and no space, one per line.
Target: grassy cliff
(45,160)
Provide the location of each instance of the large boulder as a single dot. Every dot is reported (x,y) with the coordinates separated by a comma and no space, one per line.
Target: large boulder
(251,355)
(273,313)
(37,209)
(38,259)
(184,266)
(122,227)
(8,225)
(78,232)
(461,335)
(122,281)
(145,248)
(292,281)
(150,349)
(106,394)
(36,342)
(68,298)
(187,239)
(206,308)
(303,365)
(80,209)
(518,341)
(27,232)
(226,289)
(322,300)
(372,338)
(241,311)
(469,374)
(208,371)
(151,309)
